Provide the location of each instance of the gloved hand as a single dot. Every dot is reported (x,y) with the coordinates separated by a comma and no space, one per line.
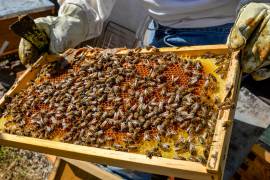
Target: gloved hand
(65,31)
(251,34)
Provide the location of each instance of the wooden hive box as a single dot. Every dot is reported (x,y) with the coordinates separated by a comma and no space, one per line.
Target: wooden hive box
(157,165)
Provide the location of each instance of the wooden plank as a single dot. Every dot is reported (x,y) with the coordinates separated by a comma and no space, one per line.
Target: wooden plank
(255,166)
(157,165)
(224,153)
(261,152)
(92,169)
(198,50)
(189,50)
(54,169)
(69,171)
(221,139)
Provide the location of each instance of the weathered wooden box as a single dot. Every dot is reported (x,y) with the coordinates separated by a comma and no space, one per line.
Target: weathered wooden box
(178,168)
(9,42)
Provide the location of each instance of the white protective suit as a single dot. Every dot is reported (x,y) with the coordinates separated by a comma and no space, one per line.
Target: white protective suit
(172,13)
(80,20)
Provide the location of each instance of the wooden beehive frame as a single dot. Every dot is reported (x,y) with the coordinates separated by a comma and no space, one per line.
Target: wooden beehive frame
(157,165)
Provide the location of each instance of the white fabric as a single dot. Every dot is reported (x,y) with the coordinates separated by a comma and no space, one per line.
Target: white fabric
(80,20)
(97,11)
(172,13)
(252,110)
(66,30)
(77,21)
(192,13)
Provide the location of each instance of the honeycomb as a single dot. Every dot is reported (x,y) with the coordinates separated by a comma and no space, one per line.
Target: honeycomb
(49,74)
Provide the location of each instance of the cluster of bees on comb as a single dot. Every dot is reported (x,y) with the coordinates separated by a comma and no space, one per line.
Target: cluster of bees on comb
(156,104)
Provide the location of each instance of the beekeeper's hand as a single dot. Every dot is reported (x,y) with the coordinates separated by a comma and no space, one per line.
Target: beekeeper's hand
(251,34)
(65,31)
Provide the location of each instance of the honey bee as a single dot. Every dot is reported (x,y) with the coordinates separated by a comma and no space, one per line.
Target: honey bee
(146,136)
(104,123)
(171,99)
(132,147)
(165,146)
(116,115)
(179,119)
(108,138)
(189,116)
(160,106)
(184,124)
(227,124)
(223,75)
(226,65)
(152,152)
(130,127)
(156,122)
(182,109)
(170,133)
(187,64)
(135,123)
(174,79)
(216,100)
(147,124)
(228,106)
(193,159)
(219,60)
(195,107)
(179,157)
(177,98)
(198,128)
(212,77)
(129,118)
(153,49)
(201,139)
(100,141)
(219,69)
(194,80)
(100,133)
(138,49)
(206,152)
(163,91)
(198,65)
(117,146)
(152,74)
(141,119)
(133,108)
(149,115)
(128,140)
(192,149)
(157,137)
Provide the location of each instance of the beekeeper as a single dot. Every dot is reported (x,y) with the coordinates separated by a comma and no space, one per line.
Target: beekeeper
(177,23)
